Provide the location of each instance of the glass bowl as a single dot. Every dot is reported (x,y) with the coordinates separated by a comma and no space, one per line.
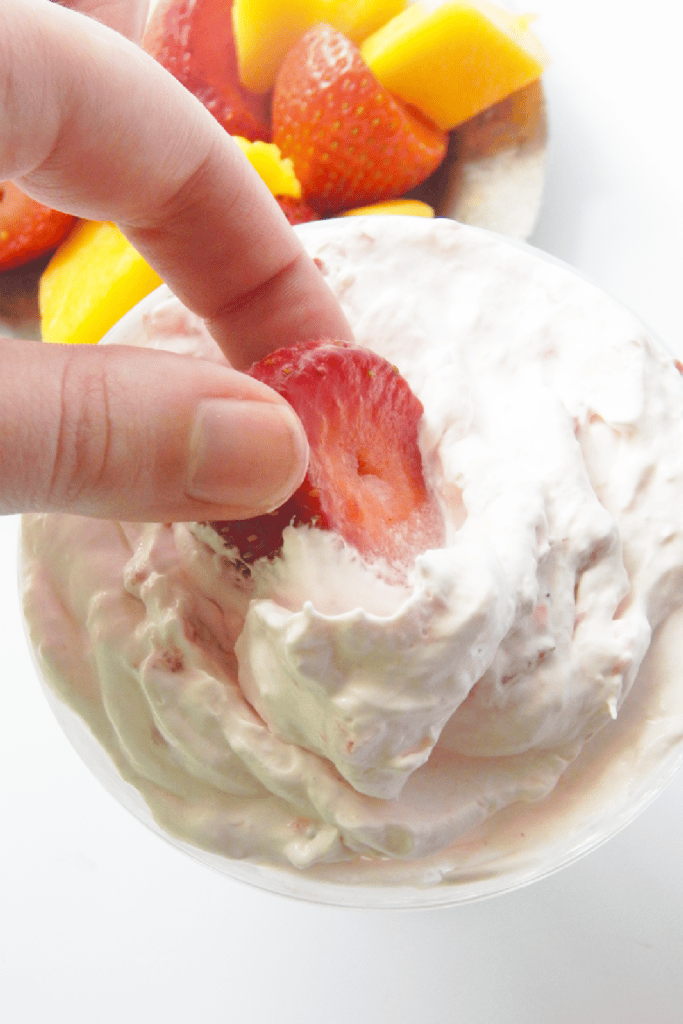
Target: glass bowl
(618,773)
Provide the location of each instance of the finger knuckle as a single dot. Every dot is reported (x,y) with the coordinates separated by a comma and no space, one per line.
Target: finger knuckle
(84,436)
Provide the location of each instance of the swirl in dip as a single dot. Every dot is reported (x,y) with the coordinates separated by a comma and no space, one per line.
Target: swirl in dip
(322,717)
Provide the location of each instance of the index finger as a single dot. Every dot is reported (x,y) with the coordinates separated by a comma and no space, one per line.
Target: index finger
(126,16)
(94,126)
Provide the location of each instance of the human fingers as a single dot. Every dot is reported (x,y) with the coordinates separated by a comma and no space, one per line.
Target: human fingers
(103,131)
(126,16)
(206,442)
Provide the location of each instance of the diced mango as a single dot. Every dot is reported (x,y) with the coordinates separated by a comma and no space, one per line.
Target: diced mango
(265,30)
(455,61)
(357,19)
(90,282)
(276,170)
(395,207)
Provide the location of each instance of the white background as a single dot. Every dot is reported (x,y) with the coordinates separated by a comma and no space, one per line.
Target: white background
(102,922)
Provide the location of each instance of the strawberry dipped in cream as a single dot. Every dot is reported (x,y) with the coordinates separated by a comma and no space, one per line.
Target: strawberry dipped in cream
(455,647)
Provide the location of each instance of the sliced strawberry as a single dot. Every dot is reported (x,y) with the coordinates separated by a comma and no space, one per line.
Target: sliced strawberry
(194,40)
(27,228)
(296,210)
(365,478)
(351,142)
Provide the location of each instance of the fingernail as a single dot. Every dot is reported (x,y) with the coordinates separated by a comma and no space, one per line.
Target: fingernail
(247,455)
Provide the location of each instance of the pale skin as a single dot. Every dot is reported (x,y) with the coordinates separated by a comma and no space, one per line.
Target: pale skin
(91,125)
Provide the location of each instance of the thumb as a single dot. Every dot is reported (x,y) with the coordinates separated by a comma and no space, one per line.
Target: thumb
(134,434)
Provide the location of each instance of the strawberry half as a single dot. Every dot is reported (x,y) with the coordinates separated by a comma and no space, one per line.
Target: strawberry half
(350,140)
(193,39)
(27,228)
(365,479)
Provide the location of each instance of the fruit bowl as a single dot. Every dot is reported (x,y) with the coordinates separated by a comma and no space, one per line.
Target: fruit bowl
(492,177)
(620,768)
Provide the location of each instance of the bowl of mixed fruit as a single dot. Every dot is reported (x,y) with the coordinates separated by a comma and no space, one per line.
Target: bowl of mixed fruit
(343,107)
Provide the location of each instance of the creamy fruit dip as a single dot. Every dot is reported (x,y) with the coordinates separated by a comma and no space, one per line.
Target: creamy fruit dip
(325,717)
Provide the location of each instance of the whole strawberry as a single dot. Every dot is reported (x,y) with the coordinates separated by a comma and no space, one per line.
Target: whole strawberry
(365,479)
(351,142)
(194,40)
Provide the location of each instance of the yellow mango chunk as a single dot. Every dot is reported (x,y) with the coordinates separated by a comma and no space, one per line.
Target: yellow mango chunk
(456,61)
(90,282)
(276,170)
(401,207)
(265,30)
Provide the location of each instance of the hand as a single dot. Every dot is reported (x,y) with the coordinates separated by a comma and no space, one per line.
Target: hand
(94,126)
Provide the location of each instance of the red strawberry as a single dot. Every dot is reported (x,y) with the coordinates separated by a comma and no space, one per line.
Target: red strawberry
(351,142)
(194,40)
(296,210)
(27,228)
(365,478)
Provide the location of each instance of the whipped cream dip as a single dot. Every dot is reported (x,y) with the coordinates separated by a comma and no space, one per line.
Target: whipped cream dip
(323,717)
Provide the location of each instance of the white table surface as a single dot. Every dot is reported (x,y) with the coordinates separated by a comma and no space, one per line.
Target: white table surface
(102,922)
